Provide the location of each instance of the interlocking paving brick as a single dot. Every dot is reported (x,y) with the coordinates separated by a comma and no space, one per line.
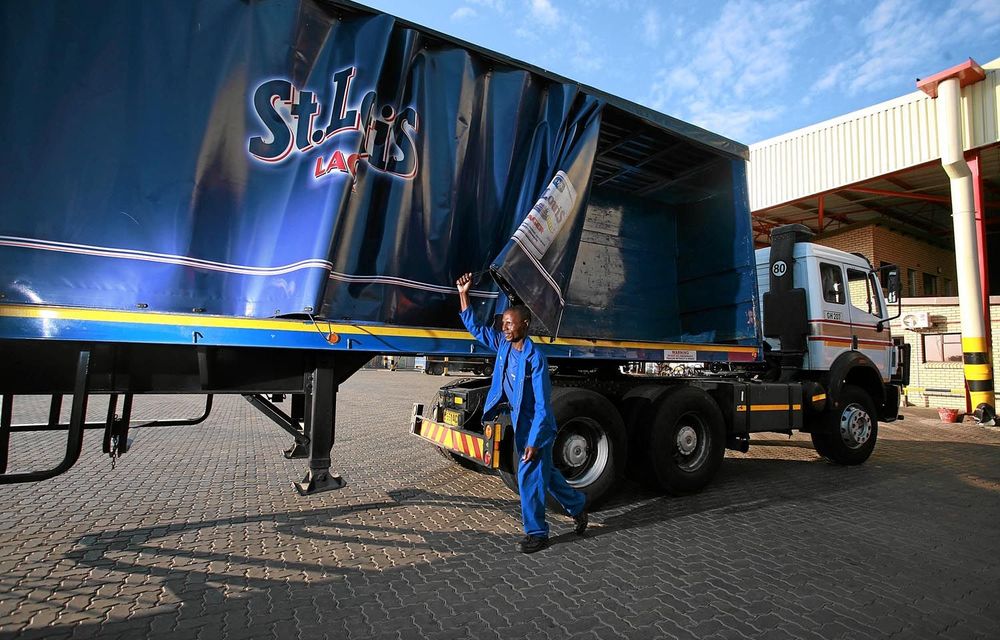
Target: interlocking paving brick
(197,533)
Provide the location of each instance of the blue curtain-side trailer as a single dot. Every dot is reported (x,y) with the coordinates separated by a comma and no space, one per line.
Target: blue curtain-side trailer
(256,198)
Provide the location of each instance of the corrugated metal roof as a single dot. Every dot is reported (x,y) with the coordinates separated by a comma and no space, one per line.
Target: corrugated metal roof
(882,139)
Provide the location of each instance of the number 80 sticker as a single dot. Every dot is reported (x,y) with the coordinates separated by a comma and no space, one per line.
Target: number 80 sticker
(779,268)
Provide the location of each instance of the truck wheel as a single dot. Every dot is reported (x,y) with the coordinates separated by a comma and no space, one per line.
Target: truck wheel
(637,407)
(850,432)
(590,445)
(687,441)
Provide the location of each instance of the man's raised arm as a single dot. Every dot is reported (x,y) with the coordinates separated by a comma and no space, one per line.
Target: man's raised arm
(487,335)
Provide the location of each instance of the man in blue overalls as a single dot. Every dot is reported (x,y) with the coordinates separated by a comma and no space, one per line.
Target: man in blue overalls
(521,378)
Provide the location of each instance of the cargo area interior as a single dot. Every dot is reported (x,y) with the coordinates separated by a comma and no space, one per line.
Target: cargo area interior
(649,183)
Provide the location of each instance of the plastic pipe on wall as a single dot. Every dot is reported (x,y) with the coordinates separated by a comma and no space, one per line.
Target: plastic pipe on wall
(975,348)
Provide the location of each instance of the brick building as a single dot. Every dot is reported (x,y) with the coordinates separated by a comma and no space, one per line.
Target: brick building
(932,328)
(924,269)
(872,182)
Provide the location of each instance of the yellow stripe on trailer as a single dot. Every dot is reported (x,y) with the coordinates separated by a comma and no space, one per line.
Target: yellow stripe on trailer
(227,322)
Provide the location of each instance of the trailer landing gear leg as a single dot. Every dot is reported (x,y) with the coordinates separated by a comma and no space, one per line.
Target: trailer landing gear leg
(299,449)
(321,414)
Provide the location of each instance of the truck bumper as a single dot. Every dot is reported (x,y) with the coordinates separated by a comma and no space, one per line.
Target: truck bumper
(482,448)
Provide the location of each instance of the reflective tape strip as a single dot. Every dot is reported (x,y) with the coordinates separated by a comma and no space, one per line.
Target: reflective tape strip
(980,385)
(978,372)
(818,397)
(775,407)
(974,358)
(974,345)
(981,397)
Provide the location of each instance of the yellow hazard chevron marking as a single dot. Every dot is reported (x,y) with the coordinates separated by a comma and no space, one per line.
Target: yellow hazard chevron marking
(465,443)
(227,322)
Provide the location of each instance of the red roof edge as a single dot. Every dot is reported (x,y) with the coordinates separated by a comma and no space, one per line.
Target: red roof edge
(969,72)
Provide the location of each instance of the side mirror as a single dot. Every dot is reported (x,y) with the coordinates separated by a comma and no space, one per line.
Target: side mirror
(893,289)
(893,285)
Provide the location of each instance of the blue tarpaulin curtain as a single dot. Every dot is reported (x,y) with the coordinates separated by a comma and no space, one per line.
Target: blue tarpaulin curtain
(270,158)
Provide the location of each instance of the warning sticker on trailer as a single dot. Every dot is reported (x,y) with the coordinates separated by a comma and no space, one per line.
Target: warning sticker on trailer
(680,355)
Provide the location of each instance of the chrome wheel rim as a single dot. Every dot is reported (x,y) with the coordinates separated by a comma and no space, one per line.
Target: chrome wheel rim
(855,426)
(692,443)
(582,451)
(687,440)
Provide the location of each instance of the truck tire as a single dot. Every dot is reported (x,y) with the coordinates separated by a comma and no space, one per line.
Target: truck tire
(849,433)
(590,445)
(434,368)
(637,407)
(687,440)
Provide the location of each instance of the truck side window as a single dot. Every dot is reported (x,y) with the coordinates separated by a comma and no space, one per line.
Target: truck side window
(862,292)
(833,282)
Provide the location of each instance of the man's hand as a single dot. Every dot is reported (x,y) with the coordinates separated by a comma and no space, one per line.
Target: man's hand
(529,454)
(464,283)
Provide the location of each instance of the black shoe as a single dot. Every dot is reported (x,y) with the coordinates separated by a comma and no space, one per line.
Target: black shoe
(581,521)
(531,544)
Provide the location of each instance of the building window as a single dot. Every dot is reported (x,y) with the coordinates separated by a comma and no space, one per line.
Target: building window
(911,282)
(942,347)
(930,285)
(833,282)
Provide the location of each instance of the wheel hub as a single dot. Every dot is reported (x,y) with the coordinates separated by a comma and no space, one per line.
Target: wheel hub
(687,440)
(855,426)
(575,450)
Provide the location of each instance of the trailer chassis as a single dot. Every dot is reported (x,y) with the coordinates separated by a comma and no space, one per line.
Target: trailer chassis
(82,369)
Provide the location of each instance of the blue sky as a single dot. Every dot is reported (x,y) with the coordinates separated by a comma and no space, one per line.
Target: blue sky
(746,69)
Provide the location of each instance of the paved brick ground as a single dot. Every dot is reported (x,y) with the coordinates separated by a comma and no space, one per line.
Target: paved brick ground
(197,533)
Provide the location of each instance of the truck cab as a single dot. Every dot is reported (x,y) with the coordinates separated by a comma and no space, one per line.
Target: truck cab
(845,307)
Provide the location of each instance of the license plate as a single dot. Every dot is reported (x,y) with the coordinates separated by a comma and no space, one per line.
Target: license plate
(451,417)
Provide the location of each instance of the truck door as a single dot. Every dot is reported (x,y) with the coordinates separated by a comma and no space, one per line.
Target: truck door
(865,303)
(830,322)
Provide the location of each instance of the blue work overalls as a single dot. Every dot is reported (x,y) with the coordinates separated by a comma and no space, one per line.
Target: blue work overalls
(534,426)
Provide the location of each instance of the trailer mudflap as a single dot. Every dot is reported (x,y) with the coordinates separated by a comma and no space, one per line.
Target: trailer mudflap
(482,448)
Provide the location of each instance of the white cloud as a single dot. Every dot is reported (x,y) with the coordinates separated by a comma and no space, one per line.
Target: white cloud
(584,57)
(727,83)
(897,32)
(544,12)
(613,5)
(525,33)
(462,13)
(652,26)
